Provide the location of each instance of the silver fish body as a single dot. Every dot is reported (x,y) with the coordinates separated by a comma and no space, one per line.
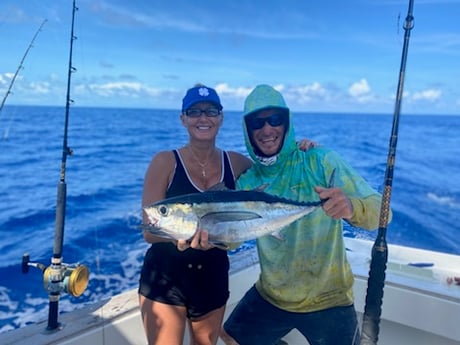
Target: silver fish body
(228,216)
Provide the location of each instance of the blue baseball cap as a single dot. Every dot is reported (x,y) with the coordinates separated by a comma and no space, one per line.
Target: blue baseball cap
(198,94)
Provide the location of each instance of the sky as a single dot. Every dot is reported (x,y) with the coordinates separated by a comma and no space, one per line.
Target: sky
(324,56)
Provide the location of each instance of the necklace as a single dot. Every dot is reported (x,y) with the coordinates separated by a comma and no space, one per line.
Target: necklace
(202,165)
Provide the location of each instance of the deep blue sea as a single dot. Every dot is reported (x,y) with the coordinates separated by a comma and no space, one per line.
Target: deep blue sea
(104,176)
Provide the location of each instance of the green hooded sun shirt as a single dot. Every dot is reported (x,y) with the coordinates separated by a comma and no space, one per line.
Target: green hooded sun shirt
(307,270)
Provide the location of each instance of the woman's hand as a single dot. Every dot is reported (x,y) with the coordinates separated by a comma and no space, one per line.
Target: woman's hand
(198,241)
(306,144)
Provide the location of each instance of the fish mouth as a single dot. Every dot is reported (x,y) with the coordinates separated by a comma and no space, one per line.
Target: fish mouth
(152,220)
(150,214)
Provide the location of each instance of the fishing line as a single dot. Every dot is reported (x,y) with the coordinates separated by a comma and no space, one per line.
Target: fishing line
(376,280)
(6,133)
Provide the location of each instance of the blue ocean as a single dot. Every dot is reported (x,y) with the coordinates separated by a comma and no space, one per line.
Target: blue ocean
(104,176)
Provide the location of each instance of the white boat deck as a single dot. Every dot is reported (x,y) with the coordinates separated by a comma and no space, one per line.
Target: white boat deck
(419,306)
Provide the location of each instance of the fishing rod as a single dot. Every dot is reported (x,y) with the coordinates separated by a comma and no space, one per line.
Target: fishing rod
(376,280)
(21,65)
(60,277)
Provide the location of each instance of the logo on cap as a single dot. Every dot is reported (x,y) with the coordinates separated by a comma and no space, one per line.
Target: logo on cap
(203,91)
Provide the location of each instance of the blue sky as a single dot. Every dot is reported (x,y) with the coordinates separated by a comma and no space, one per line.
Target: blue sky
(340,56)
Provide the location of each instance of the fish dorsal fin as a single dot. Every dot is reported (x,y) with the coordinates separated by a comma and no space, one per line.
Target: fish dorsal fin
(261,188)
(228,216)
(222,187)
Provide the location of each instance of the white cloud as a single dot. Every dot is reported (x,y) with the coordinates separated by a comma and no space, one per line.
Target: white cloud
(304,94)
(122,89)
(361,91)
(430,95)
(6,78)
(237,92)
(313,89)
(41,88)
(117,88)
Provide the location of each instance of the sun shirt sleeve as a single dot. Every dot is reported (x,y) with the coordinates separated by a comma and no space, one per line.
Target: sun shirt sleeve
(366,212)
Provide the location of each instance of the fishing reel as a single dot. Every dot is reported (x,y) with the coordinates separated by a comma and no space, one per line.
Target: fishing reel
(59,277)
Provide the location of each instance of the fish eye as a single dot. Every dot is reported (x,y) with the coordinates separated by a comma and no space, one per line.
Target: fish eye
(163,210)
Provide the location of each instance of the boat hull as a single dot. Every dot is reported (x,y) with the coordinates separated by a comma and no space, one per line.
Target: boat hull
(420,306)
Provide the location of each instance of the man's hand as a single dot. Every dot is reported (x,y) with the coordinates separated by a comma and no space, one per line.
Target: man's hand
(337,205)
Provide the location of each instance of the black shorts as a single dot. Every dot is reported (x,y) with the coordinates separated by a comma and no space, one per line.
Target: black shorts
(195,279)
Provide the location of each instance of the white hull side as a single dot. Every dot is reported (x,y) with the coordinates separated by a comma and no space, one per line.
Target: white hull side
(410,315)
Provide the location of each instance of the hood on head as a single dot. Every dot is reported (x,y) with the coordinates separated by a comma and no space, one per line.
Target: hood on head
(265,97)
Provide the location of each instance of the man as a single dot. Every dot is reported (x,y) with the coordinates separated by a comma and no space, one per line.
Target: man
(305,281)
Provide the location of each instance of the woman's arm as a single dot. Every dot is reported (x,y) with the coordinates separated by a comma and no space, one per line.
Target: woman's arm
(156,181)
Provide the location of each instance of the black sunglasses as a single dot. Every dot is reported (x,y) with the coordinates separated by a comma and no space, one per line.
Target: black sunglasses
(195,112)
(274,120)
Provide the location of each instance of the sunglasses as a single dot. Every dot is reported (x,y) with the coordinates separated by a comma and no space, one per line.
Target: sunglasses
(195,112)
(274,120)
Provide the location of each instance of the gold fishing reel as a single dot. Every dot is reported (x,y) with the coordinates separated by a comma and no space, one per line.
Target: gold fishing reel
(72,280)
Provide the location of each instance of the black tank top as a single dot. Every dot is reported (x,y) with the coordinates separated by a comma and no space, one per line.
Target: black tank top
(182,184)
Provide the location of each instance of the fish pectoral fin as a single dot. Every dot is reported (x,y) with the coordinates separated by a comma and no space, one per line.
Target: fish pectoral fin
(277,235)
(220,245)
(228,216)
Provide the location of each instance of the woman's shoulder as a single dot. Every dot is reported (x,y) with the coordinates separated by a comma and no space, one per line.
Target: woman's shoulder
(164,156)
(161,168)
(162,160)
(240,162)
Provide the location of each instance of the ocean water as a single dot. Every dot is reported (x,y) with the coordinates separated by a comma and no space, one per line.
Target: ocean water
(104,176)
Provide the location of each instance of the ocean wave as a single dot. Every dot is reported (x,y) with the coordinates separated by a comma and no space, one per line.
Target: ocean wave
(444,200)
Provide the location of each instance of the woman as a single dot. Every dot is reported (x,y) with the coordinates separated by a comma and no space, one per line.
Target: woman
(188,281)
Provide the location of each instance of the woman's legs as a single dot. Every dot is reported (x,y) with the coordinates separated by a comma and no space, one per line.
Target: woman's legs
(163,323)
(205,330)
